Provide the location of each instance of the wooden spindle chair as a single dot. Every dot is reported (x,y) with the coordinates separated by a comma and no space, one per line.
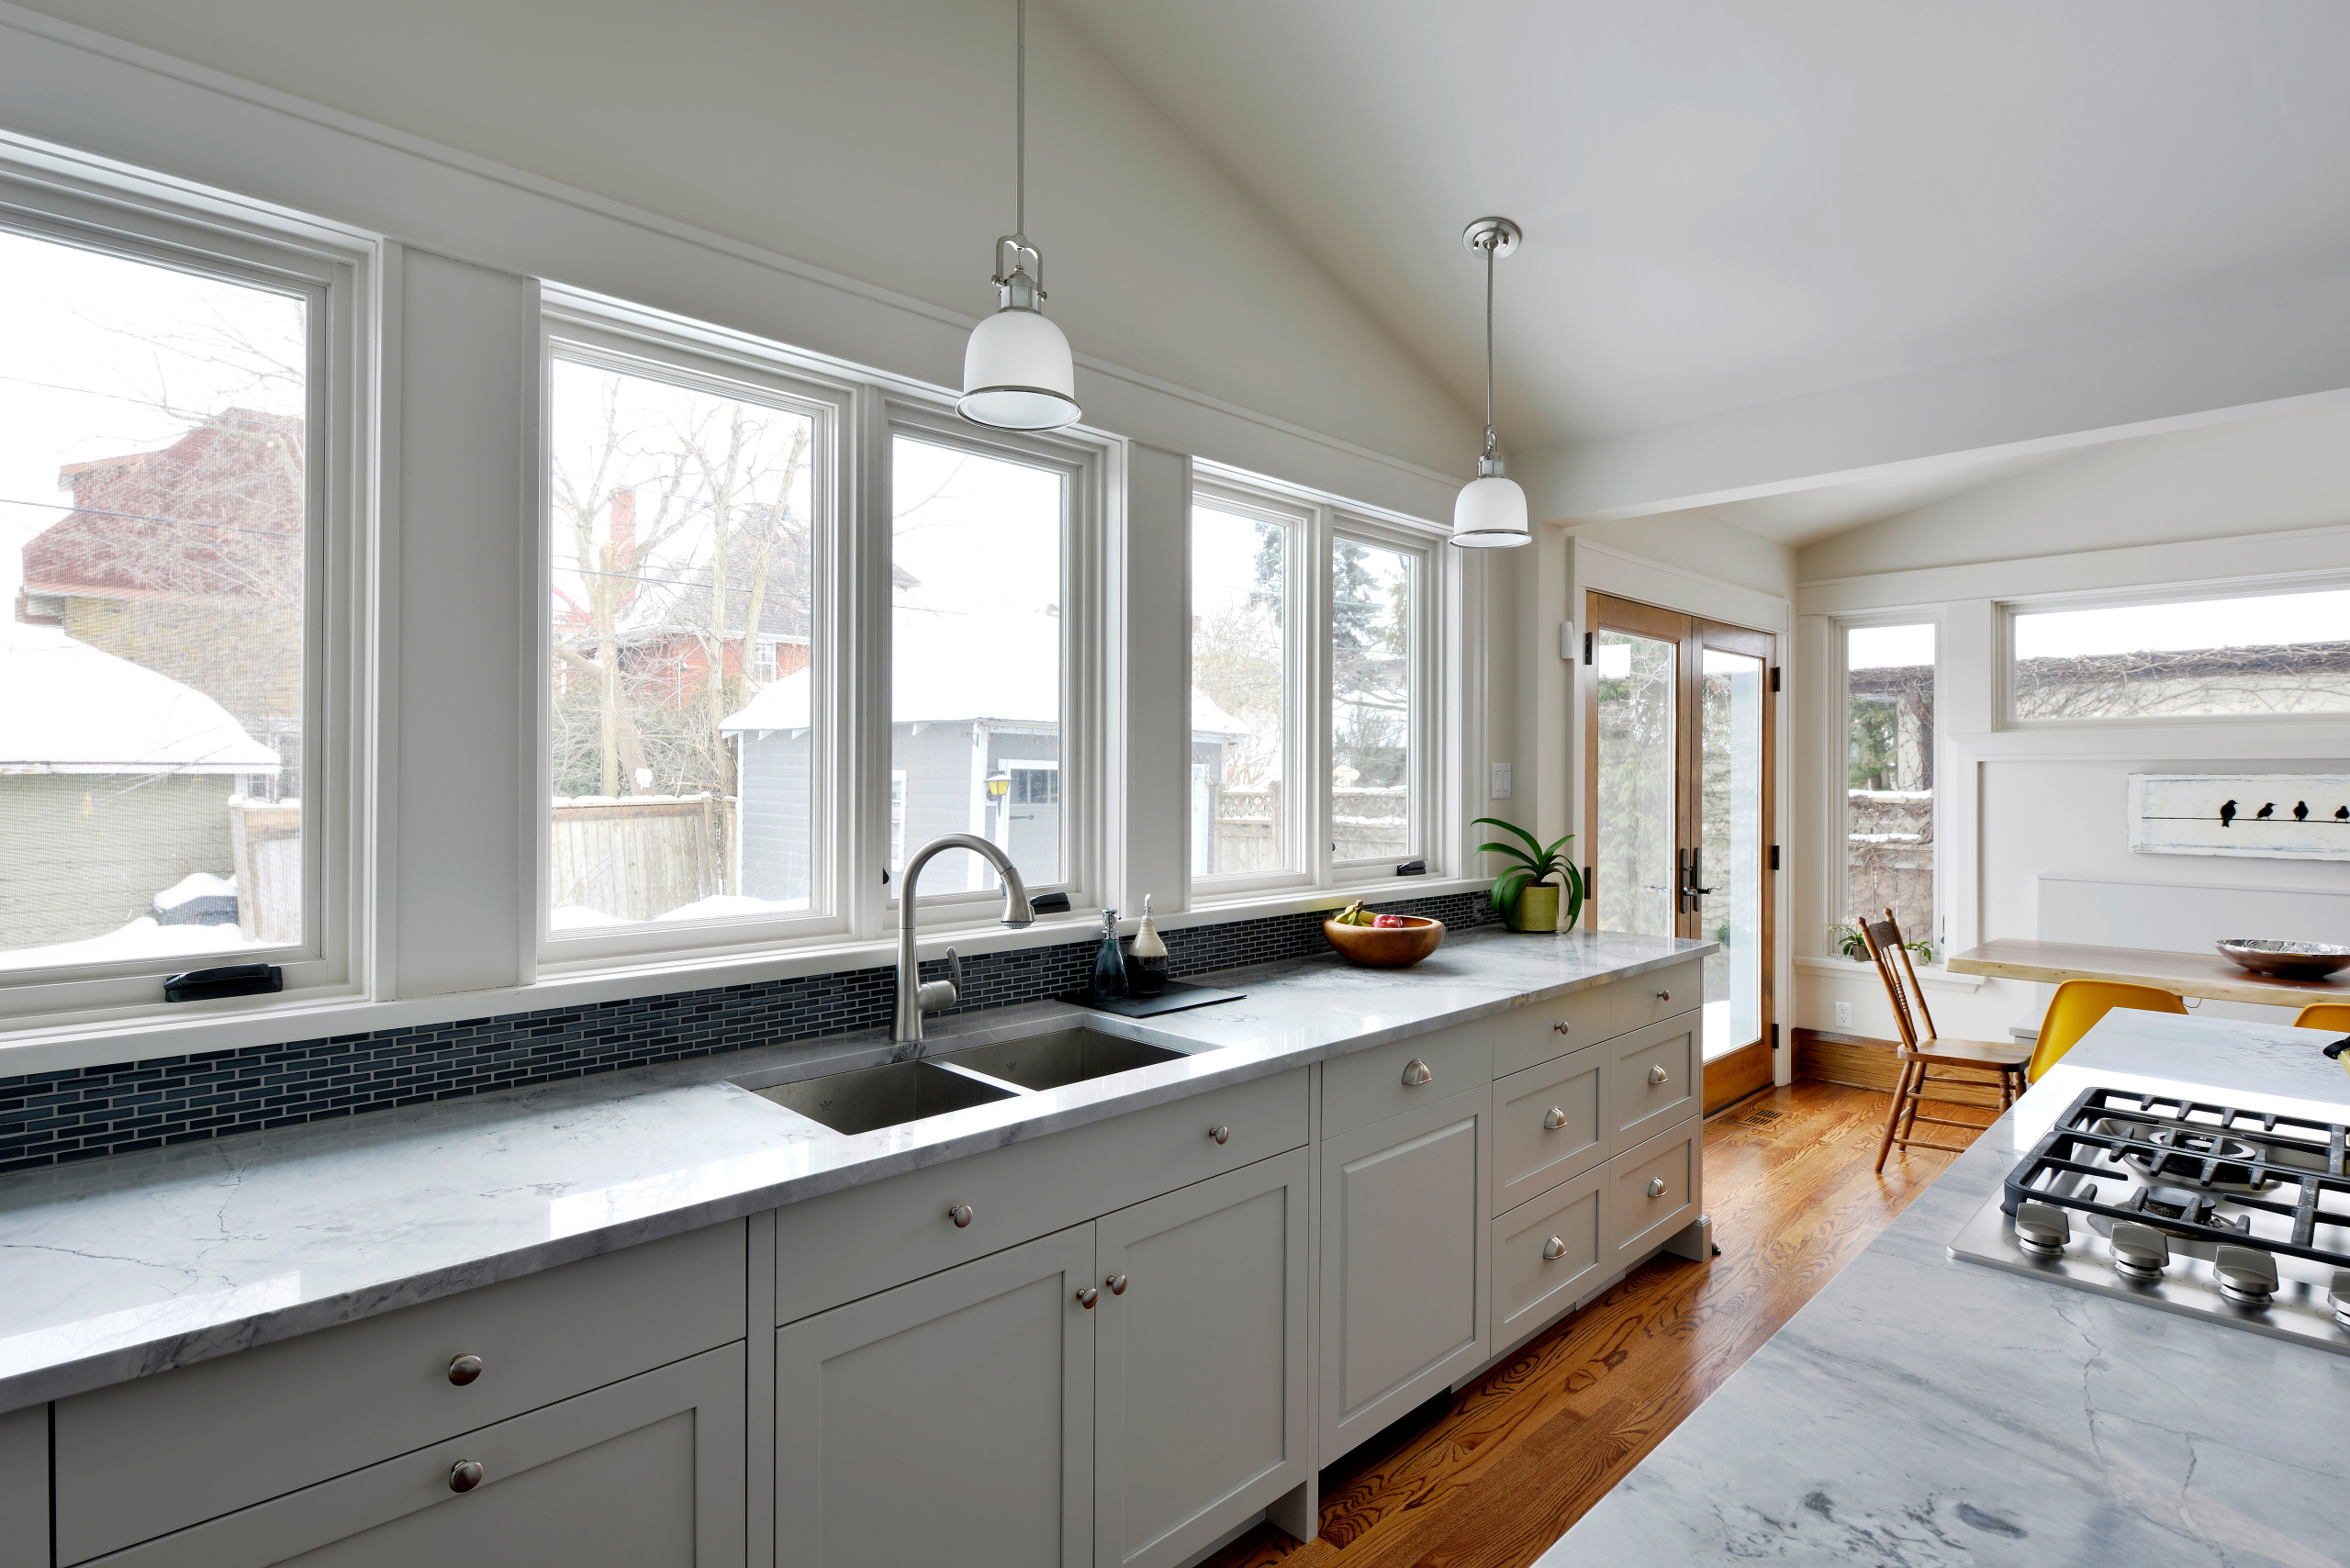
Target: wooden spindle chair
(1923,1050)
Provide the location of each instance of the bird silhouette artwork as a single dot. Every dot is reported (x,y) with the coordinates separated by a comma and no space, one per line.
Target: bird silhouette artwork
(2300,811)
(2342,813)
(2264,812)
(2227,814)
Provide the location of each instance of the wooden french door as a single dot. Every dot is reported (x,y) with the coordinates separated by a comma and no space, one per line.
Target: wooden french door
(1678,756)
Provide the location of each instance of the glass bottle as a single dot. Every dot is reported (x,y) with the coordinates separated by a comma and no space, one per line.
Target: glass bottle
(1109,962)
(1147,959)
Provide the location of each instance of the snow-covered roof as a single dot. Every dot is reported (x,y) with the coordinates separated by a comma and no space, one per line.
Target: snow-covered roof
(66,707)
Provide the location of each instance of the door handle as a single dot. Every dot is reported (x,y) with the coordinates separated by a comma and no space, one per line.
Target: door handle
(1692,863)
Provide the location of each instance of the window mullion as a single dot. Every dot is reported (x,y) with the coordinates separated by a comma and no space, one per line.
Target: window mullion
(1318,665)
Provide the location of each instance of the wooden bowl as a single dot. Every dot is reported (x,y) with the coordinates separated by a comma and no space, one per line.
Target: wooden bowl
(2288,961)
(1388,946)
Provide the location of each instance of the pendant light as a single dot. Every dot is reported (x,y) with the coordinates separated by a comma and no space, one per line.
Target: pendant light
(1490,511)
(1016,371)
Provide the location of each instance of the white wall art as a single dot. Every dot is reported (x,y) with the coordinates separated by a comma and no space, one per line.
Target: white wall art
(2261,816)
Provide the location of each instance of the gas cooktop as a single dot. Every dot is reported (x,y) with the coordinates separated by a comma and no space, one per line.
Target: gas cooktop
(2214,1211)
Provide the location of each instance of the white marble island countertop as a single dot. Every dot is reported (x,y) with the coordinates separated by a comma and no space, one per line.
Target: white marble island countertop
(1926,1411)
(135,1264)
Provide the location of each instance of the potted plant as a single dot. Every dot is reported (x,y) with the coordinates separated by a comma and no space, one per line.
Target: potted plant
(1525,895)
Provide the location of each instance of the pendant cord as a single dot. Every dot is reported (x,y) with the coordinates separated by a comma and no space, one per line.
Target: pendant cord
(1020,131)
(1489,335)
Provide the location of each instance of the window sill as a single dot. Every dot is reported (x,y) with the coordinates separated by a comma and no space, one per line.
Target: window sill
(1932,976)
(50,1043)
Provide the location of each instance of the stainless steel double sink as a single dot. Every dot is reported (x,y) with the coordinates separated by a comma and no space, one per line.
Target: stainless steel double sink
(869,1098)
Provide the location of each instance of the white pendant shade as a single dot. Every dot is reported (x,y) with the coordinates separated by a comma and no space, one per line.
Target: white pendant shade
(1017,374)
(1489,514)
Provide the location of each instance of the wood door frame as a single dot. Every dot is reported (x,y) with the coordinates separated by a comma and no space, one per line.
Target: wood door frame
(1737,1073)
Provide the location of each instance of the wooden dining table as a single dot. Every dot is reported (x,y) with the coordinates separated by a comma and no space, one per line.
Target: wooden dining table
(2184,974)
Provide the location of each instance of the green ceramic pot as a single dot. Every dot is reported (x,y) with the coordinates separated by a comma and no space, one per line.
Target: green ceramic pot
(1537,908)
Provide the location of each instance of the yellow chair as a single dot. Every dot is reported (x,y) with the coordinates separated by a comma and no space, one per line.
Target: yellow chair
(2078,1004)
(2325,1015)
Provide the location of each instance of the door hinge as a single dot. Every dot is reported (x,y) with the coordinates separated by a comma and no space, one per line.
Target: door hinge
(1586,647)
(1774,677)
(1588,896)
(1774,858)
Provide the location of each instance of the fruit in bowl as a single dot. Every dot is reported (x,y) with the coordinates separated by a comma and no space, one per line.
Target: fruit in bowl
(1382,941)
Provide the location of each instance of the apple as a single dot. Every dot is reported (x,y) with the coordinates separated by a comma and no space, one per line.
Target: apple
(1389,922)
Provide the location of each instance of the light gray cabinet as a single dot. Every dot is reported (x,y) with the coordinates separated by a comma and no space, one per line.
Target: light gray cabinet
(1403,1293)
(643,1473)
(947,1420)
(1200,1361)
(24,1488)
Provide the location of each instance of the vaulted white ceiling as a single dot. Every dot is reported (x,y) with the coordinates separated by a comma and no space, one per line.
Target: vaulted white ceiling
(1731,205)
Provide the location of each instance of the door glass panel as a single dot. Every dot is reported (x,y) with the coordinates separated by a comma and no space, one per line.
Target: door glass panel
(1633,857)
(1730,842)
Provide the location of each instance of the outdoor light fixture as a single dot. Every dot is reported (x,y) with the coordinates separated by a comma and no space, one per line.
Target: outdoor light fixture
(998,786)
(1016,372)
(1490,511)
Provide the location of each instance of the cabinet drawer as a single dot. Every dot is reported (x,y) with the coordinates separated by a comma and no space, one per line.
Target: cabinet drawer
(1655,1072)
(1654,1190)
(1526,1035)
(1550,1123)
(1641,999)
(165,1451)
(1369,1086)
(649,1470)
(1546,1252)
(835,1249)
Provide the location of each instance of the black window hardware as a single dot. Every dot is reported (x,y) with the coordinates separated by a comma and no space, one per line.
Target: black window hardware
(1774,677)
(1412,869)
(1049,903)
(227,979)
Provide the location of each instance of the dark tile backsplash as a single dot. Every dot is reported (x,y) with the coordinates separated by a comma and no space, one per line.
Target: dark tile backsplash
(82,1112)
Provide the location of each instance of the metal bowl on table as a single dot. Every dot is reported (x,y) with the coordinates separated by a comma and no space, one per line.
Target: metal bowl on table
(2287,960)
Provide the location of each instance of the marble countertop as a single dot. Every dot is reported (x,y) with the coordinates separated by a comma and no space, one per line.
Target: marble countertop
(1925,1411)
(138,1263)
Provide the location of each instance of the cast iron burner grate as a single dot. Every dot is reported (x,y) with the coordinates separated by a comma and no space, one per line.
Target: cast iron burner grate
(2185,1152)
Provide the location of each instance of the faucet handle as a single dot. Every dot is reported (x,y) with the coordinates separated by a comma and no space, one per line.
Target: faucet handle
(955,970)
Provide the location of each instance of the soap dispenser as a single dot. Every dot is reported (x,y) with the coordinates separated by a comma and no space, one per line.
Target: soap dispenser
(1147,959)
(1109,964)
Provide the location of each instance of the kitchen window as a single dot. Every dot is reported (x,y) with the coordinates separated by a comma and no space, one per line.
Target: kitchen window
(174,527)
(691,745)
(2268,655)
(1888,768)
(1375,731)
(1248,814)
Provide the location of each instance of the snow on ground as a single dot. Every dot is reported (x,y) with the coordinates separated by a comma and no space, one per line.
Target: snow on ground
(142,938)
(196,885)
(722,906)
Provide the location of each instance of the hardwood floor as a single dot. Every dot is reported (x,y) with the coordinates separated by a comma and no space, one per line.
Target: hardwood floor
(1490,1476)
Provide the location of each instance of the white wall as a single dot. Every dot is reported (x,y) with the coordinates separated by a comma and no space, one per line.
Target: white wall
(2262,501)
(871,140)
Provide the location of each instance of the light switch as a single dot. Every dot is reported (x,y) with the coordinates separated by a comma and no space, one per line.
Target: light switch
(1500,790)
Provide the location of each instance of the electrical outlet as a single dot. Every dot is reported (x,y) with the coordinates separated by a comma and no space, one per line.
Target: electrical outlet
(1500,790)
(1843,1015)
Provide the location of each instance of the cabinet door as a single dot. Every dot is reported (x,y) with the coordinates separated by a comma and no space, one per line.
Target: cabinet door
(949,1420)
(24,1488)
(1199,1361)
(1403,1291)
(644,1473)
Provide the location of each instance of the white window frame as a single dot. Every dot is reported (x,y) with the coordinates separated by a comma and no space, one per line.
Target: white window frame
(1088,474)
(2008,610)
(1435,823)
(1838,766)
(578,329)
(1298,828)
(55,196)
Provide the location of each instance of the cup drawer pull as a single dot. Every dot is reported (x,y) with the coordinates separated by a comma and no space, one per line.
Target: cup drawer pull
(1553,1250)
(1657,1074)
(1656,1186)
(1416,1073)
(1553,1119)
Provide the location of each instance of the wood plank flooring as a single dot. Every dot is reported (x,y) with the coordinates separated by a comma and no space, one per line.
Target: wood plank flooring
(1490,1476)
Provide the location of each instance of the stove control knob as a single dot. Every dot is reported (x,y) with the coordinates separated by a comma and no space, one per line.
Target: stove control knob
(2246,1276)
(2042,1229)
(2338,1298)
(2140,1251)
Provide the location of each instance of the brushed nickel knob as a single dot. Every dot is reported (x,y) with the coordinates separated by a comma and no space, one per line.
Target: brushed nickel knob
(1221,1134)
(1561,1029)
(1656,1186)
(2247,1276)
(961,1214)
(1657,1073)
(2140,1251)
(1665,996)
(2043,1229)
(1553,1250)
(1553,1119)
(1086,1297)
(465,1475)
(463,1369)
(1416,1072)
(1118,1284)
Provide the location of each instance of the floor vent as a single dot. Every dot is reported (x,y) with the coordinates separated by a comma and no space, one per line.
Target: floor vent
(1760,1117)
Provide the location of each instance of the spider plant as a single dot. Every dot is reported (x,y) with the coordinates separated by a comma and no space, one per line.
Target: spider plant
(1536,864)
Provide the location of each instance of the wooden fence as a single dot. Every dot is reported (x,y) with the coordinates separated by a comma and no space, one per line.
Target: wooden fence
(635,857)
(265,851)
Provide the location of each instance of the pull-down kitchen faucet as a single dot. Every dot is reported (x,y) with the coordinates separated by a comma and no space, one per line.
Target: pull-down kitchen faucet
(914,999)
